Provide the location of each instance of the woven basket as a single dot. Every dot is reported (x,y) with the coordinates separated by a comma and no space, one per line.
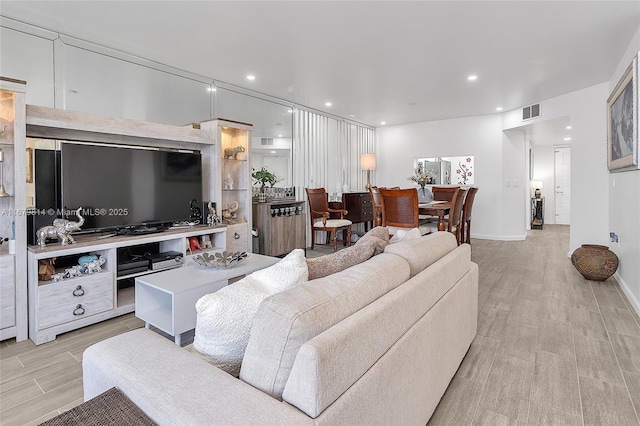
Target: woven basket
(594,262)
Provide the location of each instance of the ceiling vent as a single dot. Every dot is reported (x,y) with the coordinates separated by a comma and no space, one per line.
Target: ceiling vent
(266,141)
(531,111)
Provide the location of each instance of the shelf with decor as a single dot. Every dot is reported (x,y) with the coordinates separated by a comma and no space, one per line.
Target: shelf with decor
(13,225)
(231,177)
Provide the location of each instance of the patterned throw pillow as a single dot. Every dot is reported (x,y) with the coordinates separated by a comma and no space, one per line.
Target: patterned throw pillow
(224,318)
(335,262)
(379,235)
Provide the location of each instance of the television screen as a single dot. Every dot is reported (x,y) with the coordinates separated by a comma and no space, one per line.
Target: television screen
(120,186)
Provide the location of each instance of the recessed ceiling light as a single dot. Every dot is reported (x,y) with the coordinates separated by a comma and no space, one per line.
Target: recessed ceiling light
(472,77)
(290,111)
(328,104)
(211,89)
(567,139)
(499,109)
(279,136)
(383,122)
(351,115)
(568,127)
(273,152)
(251,77)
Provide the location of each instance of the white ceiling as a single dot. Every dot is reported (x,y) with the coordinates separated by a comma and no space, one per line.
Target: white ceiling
(400,62)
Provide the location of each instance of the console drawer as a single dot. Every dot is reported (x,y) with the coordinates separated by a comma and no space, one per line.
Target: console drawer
(75,298)
(237,237)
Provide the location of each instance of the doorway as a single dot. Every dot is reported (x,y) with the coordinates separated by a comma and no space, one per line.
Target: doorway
(562,185)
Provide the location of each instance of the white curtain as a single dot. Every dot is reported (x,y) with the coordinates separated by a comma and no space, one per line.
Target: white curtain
(326,153)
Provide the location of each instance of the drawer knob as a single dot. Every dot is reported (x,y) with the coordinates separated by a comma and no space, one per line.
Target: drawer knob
(79,291)
(79,310)
(236,236)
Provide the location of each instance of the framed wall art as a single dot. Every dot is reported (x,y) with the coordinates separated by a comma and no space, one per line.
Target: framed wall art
(622,122)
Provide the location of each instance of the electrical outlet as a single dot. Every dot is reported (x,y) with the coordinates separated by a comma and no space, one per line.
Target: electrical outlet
(614,238)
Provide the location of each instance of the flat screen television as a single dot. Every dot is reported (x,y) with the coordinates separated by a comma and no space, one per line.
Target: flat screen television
(123,187)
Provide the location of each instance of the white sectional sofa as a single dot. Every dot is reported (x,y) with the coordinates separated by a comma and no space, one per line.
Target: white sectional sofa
(377,343)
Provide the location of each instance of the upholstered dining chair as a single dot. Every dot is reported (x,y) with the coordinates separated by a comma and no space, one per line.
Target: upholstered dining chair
(400,210)
(466,214)
(319,209)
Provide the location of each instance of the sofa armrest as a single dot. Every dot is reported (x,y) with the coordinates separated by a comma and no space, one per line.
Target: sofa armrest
(172,386)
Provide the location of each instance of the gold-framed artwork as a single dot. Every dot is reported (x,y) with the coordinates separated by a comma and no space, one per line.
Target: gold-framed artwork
(622,122)
(29,165)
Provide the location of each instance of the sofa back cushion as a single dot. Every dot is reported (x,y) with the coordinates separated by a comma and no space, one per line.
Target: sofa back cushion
(328,264)
(331,363)
(287,320)
(424,251)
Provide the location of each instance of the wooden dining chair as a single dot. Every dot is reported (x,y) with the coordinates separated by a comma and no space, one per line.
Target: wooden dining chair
(320,219)
(444,193)
(400,210)
(376,202)
(454,219)
(466,214)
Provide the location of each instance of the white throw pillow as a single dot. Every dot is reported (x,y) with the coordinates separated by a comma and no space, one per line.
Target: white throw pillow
(402,235)
(224,318)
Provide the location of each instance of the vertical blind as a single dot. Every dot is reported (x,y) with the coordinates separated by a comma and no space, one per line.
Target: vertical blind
(326,153)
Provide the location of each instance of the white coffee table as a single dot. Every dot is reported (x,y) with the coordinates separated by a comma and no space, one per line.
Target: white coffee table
(167,300)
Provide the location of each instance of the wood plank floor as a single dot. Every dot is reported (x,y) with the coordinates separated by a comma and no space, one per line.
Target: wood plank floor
(552,348)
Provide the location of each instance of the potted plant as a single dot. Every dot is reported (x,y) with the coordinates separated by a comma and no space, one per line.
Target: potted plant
(262,177)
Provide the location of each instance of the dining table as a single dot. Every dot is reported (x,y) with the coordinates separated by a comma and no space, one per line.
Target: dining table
(436,208)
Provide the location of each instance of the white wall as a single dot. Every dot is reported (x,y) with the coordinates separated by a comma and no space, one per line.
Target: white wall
(624,205)
(482,137)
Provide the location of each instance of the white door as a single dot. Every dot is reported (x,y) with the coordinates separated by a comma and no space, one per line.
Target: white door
(562,185)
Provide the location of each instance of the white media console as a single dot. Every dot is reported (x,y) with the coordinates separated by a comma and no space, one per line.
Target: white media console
(58,307)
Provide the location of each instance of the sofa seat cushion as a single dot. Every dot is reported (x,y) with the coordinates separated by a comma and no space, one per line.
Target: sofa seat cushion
(224,318)
(424,251)
(287,320)
(335,262)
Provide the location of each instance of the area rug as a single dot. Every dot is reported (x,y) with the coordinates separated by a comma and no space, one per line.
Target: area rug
(111,408)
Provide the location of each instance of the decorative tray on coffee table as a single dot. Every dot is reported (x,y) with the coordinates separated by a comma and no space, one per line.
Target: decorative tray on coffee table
(220,260)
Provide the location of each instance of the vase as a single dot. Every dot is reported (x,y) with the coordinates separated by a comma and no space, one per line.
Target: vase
(262,196)
(424,195)
(595,262)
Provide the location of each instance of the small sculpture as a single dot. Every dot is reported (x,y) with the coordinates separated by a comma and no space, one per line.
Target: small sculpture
(228,182)
(212,217)
(232,153)
(61,229)
(206,242)
(85,260)
(57,277)
(194,244)
(230,214)
(95,265)
(46,269)
(74,271)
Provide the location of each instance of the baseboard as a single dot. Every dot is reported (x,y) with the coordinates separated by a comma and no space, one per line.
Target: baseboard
(633,300)
(500,237)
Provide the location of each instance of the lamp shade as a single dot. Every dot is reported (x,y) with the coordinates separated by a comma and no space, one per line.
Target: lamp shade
(368,161)
(536,184)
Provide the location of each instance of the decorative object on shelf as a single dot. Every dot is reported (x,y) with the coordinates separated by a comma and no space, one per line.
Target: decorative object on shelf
(622,122)
(423,177)
(228,182)
(595,262)
(3,192)
(72,272)
(232,153)
(196,212)
(194,244)
(57,277)
(368,163)
(46,269)
(537,186)
(220,260)
(230,214)
(61,229)
(206,242)
(85,260)
(95,265)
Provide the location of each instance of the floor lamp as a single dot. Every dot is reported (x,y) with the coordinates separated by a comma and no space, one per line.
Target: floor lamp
(368,163)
